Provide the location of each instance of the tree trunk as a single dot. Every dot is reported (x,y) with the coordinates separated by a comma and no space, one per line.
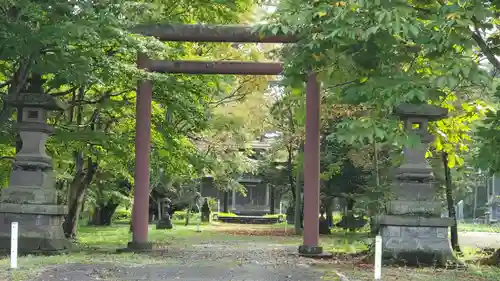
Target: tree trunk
(83,177)
(451,205)
(76,193)
(350,205)
(298,200)
(372,211)
(298,210)
(350,214)
(329,211)
(225,208)
(158,206)
(19,141)
(17,84)
(103,214)
(492,260)
(290,172)
(188,212)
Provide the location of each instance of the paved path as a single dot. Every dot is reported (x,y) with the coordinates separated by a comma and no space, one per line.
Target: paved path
(479,239)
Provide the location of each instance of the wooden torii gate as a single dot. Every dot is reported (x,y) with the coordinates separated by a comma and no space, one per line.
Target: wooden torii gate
(225,33)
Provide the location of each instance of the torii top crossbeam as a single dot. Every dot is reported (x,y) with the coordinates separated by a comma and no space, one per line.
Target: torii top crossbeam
(210,33)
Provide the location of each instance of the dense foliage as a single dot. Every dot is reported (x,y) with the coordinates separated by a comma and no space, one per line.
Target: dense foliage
(86,55)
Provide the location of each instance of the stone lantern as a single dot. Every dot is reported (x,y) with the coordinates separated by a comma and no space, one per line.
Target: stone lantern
(31,197)
(413,231)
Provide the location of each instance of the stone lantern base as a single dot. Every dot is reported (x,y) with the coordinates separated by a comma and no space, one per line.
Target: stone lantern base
(40,228)
(415,241)
(30,200)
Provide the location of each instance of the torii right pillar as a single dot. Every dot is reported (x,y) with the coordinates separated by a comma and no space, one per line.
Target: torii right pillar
(311,246)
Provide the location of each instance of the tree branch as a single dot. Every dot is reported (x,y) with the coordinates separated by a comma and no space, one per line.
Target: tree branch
(106,95)
(233,96)
(6,83)
(476,35)
(10,158)
(63,93)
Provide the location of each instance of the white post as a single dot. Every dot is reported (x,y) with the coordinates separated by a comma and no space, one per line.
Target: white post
(280,208)
(14,233)
(493,185)
(378,257)
(286,225)
(218,206)
(268,194)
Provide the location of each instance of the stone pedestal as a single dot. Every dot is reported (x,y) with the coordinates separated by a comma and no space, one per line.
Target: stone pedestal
(165,222)
(413,232)
(31,198)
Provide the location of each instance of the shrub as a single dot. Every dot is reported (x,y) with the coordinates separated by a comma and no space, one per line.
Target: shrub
(215,215)
(181,215)
(122,214)
(212,203)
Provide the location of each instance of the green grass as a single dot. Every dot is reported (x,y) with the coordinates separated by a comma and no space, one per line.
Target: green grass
(274,216)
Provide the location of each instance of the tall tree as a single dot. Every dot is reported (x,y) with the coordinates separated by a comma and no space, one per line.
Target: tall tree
(86,53)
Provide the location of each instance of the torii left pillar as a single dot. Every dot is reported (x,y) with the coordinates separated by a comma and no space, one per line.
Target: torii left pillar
(140,208)
(310,246)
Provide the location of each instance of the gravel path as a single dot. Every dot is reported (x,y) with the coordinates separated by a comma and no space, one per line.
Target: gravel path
(223,261)
(218,262)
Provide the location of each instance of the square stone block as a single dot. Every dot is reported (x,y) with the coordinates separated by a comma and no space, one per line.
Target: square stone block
(41,232)
(413,191)
(29,194)
(27,178)
(404,207)
(416,245)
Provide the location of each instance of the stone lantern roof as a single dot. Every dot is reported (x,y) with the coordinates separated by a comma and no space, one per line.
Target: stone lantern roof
(424,110)
(35,96)
(39,100)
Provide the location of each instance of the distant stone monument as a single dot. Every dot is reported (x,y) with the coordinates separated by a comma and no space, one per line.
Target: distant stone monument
(166,221)
(324,228)
(31,198)
(493,214)
(205,211)
(413,231)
